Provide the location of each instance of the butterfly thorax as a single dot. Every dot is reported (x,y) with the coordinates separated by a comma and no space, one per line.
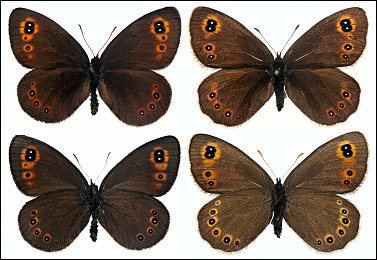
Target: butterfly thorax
(94,201)
(94,75)
(278,205)
(279,72)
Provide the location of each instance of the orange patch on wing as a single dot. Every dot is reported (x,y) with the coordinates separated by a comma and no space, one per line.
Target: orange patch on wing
(339,153)
(204,24)
(28,175)
(339,27)
(22,26)
(160,176)
(159,19)
(28,48)
(210,162)
(27,165)
(160,166)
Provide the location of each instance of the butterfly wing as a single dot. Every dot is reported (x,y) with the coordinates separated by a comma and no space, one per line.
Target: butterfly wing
(325,221)
(135,94)
(134,220)
(136,97)
(219,167)
(337,166)
(230,97)
(150,42)
(338,40)
(37,168)
(128,211)
(53,220)
(53,95)
(39,42)
(326,96)
(219,41)
(233,220)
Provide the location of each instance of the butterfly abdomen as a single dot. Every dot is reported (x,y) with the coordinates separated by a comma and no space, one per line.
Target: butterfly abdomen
(278,203)
(94,202)
(94,74)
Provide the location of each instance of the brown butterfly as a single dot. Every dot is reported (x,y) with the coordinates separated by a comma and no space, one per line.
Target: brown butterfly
(250,74)
(63,77)
(307,200)
(124,204)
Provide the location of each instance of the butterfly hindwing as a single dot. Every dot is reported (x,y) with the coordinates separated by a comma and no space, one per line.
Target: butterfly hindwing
(134,220)
(150,169)
(39,42)
(53,220)
(326,96)
(220,41)
(325,221)
(232,221)
(338,40)
(337,166)
(230,97)
(150,42)
(37,168)
(136,97)
(53,95)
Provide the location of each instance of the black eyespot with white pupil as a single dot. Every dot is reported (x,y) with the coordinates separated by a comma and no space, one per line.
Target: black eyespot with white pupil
(33,221)
(154,221)
(29,27)
(210,152)
(348,47)
(346,25)
(32,93)
(159,27)
(140,237)
(329,240)
(345,220)
(226,240)
(47,239)
(30,155)
(211,25)
(346,94)
(159,156)
(347,150)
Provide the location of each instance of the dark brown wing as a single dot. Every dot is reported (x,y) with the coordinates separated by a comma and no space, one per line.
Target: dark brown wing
(150,169)
(231,97)
(326,96)
(338,40)
(150,42)
(219,41)
(37,168)
(134,220)
(325,221)
(219,167)
(136,97)
(337,166)
(39,42)
(53,220)
(53,95)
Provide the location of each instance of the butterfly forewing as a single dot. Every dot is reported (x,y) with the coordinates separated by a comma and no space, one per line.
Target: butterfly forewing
(37,168)
(39,42)
(337,166)
(150,42)
(53,220)
(220,167)
(136,97)
(134,220)
(325,221)
(220,41)
(338,40)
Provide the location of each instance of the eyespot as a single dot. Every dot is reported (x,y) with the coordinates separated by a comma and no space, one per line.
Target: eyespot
(153,211)
(28,48)
(331,113)
(345,25)
(141,112)
(347,47)
(216,106)
(344,211)
(208,47)
(345,94)
(34,212)
(33,221)
(329,239)
(37,231)
(47,238)
(228,113)
(341,105)
(339,202)
(345,56)
(217,202)
(216,232)
(140,237)
(211,57)
(213,212)
(212,95)
(153,220)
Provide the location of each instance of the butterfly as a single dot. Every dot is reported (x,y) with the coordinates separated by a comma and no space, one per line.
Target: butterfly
(307,199)
(124,204)
(63,77)
(250,74)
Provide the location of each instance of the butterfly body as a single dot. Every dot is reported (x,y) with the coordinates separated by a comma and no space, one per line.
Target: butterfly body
(94,202)
(307,73)
(279,200)
(63,77)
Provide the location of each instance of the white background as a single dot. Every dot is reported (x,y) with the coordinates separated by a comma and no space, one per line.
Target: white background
(281,136)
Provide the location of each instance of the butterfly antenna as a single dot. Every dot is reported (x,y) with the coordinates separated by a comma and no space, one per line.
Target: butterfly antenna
(260,153)
(288,171)
(82,170)
(290,38)
(107,40)
(265,40)
(108,155)
(85,40)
